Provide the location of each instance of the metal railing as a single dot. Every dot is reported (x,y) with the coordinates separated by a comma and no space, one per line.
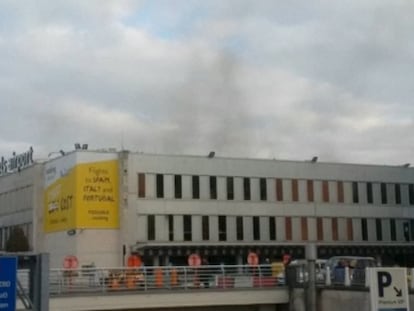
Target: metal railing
(226,277)
(357,278)
(104,280)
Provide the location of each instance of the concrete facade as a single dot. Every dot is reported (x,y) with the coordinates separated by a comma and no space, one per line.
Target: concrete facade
(21,194)
(335,208)
(172,205)
(92,244)
(248,300)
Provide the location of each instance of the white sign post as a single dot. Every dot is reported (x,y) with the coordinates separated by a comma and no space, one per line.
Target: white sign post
(389,290)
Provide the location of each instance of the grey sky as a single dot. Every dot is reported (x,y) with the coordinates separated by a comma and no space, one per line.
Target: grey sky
(272,79)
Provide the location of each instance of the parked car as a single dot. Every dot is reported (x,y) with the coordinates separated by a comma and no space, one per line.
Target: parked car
(356,267)
(302,275)
(301,271)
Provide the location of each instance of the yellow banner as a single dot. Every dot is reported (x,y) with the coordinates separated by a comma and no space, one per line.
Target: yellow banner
(97,195)
(60,203)
(85,197)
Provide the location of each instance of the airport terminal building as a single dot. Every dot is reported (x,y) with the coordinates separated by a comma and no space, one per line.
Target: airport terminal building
(102,206)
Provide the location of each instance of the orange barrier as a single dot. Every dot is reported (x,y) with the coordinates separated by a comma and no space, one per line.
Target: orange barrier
(225,282)
(159,278)
(130,281)
(114,284)
(196,280)
(264,281)
(134,261)
(174,278)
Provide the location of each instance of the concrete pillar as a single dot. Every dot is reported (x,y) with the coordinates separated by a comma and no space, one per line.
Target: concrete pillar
(328,281)
(347,279)
(239,259)
(367,276)
(166,260)
(412,279)
(239,262)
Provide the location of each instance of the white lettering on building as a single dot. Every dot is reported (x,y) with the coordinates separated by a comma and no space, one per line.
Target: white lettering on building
(16,162)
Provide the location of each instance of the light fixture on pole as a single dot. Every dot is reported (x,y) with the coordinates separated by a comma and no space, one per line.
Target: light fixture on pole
(211,154)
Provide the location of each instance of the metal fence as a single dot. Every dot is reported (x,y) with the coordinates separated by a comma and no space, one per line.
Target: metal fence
(102,280)
(357,278)
(297,276)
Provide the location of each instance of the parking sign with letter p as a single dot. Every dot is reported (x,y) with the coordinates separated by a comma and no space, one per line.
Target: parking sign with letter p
(388,289)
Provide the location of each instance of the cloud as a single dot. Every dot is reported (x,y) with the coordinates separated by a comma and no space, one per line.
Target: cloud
(269,79)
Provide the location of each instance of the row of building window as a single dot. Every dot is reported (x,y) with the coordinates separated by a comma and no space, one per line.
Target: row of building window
(369,229)
(331,191)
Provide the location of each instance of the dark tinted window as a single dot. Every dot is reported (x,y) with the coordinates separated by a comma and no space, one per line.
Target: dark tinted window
(263,189)
(369,193)
(325,191)
(246,188)
(196,187)
(384,193)
(364,228)
(397,193)
(239,228)
(279,190)
(213,187)
(222,226)
(177,186)
(411,194)
(141,185)
(171,227)
(160,186)
(355,193)
(256,228)
(187,228)
(230,188)
(393,230)
(151,227)
(272,228)
(205,224)
(378,228)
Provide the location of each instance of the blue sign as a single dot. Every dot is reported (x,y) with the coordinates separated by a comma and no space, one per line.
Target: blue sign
(8,276)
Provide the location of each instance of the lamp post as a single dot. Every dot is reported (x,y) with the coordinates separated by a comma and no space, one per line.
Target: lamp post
(311,255)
